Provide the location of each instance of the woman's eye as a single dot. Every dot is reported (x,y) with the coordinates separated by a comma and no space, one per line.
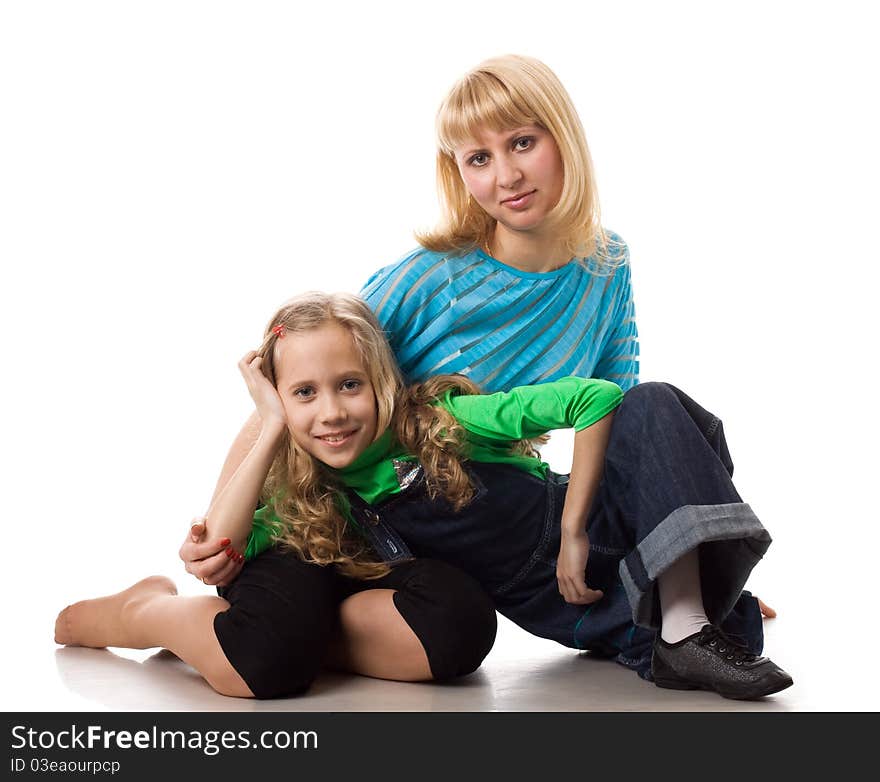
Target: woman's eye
(525,142)
(351,385)
(478,160)
(304,393)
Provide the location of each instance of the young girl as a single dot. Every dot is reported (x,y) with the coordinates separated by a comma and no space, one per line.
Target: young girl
(519,284)
(508,291)
(358,474)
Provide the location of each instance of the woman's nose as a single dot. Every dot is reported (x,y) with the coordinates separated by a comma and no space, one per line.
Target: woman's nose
(508,173)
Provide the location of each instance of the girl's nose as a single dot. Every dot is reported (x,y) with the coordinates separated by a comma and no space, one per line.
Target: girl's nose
(333,410)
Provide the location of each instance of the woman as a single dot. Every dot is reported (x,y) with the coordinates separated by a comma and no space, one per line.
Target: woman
(519,284)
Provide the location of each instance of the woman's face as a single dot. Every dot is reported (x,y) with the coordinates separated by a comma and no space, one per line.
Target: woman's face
(515,175)
(327,394)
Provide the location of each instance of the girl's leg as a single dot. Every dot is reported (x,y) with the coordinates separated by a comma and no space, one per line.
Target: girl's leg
(151,613)
(424,620)
(375,640)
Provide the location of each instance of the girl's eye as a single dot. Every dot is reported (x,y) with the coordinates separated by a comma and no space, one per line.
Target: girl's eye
(351,385)
(523,143)
(478,160)
(304,393)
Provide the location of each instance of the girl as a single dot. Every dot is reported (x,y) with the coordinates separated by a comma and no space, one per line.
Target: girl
(359,473)
(519,284)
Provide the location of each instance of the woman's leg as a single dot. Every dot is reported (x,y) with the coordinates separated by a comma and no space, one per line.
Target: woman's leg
(151,613)
(667,491)
(681,599)
(424,620)
(668,498)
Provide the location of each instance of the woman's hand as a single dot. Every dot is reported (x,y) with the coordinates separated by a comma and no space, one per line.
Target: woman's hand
(571,568)
(213,562)
(265,397)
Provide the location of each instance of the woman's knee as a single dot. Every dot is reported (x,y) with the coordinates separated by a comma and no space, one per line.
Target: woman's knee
(651,394)
(452,616)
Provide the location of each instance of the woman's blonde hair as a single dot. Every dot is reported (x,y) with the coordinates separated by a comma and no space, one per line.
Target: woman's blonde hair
(303,494)
(504,93)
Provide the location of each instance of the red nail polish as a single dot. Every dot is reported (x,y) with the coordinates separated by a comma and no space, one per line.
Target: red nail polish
(229,552)
(240,558)
(225,542)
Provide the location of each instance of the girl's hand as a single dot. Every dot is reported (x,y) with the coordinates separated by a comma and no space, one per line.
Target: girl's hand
(265,397)
(571,567)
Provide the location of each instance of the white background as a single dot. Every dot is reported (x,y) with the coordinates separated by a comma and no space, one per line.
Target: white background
(171,171)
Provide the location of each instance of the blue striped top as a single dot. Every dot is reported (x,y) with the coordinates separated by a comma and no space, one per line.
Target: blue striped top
(502,327)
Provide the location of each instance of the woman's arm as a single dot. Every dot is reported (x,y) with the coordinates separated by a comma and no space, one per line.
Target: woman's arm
(619,357)
(586,473)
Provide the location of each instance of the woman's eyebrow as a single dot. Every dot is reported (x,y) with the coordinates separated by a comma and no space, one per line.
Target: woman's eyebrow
(511,135)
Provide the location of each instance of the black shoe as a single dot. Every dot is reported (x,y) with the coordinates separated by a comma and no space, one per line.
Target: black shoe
(709,660)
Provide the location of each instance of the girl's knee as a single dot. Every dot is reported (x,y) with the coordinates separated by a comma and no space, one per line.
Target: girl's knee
(225,680)
(451,614)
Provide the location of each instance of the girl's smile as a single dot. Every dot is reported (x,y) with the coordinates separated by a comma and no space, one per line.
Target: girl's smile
(336,439)
(326,392)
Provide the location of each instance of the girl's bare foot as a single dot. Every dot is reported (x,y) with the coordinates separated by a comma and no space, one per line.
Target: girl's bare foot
(101,622)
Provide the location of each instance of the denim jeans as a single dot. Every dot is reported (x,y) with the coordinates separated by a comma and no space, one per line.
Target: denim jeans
(666,490)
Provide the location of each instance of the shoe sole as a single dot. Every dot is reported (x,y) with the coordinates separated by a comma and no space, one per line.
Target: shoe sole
(669,680)
(740,695)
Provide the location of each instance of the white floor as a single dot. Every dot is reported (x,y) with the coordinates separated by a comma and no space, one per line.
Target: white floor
(522,673)
(819,575)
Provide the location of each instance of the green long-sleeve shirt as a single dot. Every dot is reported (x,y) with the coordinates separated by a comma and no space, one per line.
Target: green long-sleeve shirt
(492,423)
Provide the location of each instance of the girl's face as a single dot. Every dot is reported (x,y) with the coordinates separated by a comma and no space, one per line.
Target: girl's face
(326,393)
(515,175)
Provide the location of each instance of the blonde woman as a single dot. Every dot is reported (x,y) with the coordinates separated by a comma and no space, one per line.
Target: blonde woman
(357,473)
(519,284)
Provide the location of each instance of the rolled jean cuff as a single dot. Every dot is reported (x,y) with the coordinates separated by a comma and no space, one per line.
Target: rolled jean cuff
(731,539)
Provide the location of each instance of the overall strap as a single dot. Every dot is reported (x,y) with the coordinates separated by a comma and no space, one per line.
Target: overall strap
(382,537)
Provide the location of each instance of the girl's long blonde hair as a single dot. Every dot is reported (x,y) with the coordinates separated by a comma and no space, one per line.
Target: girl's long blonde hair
(303,493)
(504,93)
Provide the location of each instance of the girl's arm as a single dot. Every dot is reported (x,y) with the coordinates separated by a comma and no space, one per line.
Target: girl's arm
(241,447)
(529,411)
(586,473)
(207,558)
(232,508)
(587,405)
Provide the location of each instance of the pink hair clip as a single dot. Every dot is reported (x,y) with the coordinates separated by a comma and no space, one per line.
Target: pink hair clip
(278,330)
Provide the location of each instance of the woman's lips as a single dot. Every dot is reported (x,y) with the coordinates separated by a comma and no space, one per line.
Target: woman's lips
(519,201)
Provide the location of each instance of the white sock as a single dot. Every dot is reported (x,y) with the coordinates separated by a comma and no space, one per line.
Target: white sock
(681,599)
